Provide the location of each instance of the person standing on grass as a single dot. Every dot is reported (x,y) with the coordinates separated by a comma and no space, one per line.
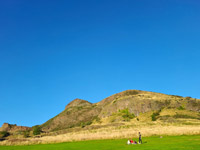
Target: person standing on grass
(140,138)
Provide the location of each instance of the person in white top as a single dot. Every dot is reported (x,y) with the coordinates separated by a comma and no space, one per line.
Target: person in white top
(128,142)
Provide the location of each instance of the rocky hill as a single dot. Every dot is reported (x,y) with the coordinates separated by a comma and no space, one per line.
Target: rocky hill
(123,107)
(13,128)
(77,112)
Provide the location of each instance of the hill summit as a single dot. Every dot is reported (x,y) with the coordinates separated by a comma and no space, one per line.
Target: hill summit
(78,103)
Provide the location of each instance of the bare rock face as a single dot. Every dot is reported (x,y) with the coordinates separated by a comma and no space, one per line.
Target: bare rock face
(13,128)
(6,127)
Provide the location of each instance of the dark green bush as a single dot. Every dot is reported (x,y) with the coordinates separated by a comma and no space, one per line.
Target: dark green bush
(36,130)
(83,124)
(155,115)
(131,92)
(114,101)
(181,108)
(97,119)
(88,123)
(4,134)
(126,114)
(185,116)
(26,134)
(71,126)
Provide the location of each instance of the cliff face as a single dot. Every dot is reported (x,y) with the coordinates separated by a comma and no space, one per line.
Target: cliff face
(81,112)
(141,102)
(13,128)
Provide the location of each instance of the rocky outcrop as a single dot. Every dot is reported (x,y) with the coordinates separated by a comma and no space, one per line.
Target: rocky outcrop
(13,128)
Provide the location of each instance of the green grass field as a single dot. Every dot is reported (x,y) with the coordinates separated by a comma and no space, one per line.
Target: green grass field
(150,143)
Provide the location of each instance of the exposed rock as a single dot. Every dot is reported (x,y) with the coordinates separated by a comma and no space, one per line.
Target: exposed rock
(13,128)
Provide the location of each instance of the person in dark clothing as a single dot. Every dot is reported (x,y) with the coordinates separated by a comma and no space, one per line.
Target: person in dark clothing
(140,138)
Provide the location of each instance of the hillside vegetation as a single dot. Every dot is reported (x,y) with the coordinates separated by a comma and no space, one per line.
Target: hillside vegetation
(123,107)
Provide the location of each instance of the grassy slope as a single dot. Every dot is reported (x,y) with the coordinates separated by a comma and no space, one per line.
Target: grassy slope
(151,143)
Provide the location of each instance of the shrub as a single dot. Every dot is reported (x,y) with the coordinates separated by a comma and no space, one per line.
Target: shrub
(71,126)
(155,115)
(126,114)
(4,134)
(36,130)
(185,116)
(26,134)
(181,108)
(88,123)
(97,119)
(131,92)
(114,101)
(83,124)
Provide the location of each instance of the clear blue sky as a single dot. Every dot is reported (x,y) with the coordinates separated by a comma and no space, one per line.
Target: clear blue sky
(52,52)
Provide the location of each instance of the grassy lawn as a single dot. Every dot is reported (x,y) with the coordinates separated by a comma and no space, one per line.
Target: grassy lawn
(150,143)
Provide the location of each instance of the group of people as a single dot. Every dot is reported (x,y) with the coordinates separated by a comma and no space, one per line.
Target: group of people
(134,142)
(131,142)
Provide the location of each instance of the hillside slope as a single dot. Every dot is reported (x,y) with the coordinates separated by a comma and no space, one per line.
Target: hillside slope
(123,107)
(75,114)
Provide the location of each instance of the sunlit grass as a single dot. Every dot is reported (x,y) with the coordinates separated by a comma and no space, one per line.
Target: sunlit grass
(150,143)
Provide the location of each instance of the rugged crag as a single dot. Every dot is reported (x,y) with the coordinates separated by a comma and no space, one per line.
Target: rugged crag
(13,128)
(128,103)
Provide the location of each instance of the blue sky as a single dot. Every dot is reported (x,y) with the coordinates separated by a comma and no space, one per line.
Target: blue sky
(53,52)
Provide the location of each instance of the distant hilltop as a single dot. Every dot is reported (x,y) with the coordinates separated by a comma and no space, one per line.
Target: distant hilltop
(122,107)
(13,128)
